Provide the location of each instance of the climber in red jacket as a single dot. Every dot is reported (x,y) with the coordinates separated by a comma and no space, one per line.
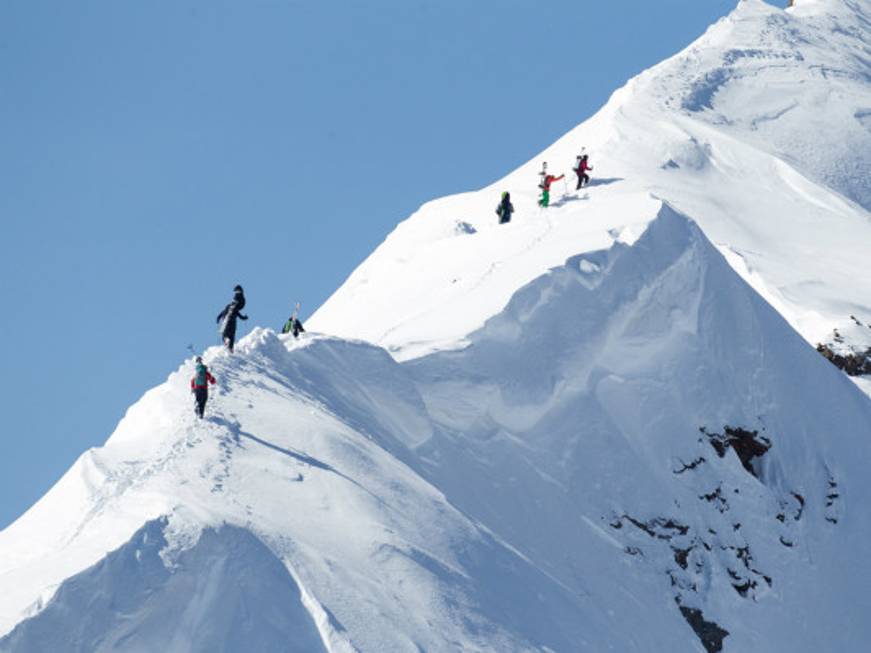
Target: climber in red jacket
(582,166)
(199,386)
(546,181)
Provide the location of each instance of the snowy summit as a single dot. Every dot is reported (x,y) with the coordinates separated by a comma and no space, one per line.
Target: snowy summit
(600,426)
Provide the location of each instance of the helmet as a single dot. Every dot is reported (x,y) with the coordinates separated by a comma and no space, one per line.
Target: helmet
(238,287)
(199,359)
(505,195)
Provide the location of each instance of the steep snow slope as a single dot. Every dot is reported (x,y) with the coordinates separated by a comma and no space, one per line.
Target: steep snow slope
(601,386)
(581,507)
(759,131)
(378,559)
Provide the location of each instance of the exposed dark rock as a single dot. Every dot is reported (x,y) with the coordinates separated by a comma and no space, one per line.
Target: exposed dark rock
(681,556)
(830,499)
(854,363)
(660,528)
(741,585)
(800,510)
(747,445)
(832,496)
(689,466)
(716,497)
(709,633)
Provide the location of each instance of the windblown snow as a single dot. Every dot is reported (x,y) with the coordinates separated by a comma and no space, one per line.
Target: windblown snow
(600,427)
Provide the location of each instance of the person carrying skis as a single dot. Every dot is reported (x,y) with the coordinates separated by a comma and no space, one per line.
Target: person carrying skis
(200,386)
(505,208)
(293,325)
(232,311)
(546,181)
(582,165)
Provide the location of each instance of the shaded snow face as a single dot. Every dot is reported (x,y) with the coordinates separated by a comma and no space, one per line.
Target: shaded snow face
(652,403)
(227,593)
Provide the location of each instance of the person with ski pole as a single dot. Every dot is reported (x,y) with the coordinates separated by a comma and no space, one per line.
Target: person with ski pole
(546,181)
(227,317)
(200,386)
(505,208)
(581,167)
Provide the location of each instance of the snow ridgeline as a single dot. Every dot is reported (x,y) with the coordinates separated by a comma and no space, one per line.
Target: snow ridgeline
(760,130)
(622,459)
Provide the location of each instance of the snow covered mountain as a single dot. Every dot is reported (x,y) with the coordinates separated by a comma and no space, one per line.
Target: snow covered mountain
(760,131)
(601,427)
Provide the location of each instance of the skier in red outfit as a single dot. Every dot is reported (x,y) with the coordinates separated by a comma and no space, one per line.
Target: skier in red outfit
(200,387)
(583,165)
(546,181)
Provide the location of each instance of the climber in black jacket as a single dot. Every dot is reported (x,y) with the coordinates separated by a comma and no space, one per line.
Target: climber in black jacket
(227,317)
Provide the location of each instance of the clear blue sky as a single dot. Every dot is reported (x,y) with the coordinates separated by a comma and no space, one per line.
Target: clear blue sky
(154,154)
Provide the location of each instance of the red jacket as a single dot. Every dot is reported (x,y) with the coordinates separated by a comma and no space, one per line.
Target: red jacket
(209,378)
(548,180)
(583,166)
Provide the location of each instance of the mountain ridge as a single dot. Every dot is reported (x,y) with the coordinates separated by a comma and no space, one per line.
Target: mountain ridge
(797,241)
(462,505)
(600,427)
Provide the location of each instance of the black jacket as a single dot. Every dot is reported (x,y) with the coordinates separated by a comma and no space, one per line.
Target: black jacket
(505,209)
(230,313)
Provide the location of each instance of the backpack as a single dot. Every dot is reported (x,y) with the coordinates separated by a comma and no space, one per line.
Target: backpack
(201,377)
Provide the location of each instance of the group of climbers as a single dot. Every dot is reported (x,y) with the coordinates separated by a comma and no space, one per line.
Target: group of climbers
(546,180)
(227,328)
(233,311)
